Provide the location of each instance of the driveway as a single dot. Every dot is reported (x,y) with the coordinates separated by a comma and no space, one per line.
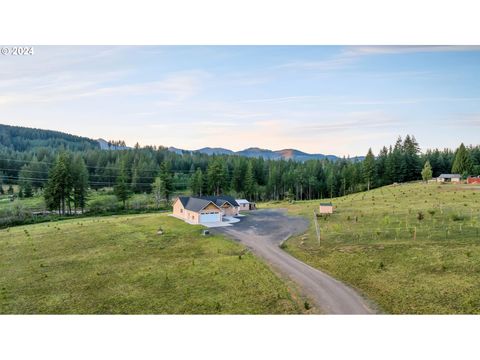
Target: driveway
(264,230)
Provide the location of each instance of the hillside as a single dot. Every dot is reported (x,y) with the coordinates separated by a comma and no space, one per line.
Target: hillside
(27,139)
(412,248)
(119,265)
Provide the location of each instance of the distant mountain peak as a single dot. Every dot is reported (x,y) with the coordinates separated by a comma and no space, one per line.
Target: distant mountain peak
(257,152)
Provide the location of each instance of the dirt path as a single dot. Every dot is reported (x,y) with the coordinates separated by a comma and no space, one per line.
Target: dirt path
(264,230)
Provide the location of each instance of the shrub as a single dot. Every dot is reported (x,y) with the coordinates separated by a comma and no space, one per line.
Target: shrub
(431,212)
(457,217)
(420,216)
(104,203)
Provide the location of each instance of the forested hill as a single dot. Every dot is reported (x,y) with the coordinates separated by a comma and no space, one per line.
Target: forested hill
(23,139)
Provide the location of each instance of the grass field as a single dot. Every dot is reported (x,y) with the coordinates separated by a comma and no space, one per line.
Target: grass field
(120,265)
(412,248)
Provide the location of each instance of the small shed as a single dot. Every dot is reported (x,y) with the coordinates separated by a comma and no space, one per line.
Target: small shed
(326,208)
(454,178)
(245,205)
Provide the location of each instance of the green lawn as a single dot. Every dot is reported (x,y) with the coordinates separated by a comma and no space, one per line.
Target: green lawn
(408,263)
(119,265)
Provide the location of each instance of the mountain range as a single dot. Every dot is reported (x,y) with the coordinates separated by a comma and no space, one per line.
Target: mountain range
(24,139)
(285,154)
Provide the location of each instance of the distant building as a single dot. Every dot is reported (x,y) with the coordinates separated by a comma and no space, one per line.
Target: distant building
(326,208)
(454,178)
(473,180)
(245,205)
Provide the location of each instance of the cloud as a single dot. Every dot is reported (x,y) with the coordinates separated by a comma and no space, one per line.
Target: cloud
(349,55)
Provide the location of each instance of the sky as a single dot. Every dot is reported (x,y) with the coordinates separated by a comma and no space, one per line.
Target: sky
(337,100)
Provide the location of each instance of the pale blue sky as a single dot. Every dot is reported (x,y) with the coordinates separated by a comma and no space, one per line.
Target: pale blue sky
(335,100)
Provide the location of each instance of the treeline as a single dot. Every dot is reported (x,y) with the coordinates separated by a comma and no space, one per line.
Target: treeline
(164,173)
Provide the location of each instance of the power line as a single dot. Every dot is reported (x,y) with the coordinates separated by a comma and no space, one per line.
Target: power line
(28,162)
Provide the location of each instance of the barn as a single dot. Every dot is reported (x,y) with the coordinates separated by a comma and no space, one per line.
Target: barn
(454,178)
(204,209)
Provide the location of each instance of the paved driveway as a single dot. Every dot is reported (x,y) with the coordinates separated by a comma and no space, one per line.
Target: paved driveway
(264,230)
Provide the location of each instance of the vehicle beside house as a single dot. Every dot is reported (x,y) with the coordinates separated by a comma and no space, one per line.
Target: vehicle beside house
(449,178)
(204,209)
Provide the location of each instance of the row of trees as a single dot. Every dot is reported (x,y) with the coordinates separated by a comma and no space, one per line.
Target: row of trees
(64,176)
(67,184)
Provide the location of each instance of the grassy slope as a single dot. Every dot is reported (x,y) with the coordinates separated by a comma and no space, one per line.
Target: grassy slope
(369,243)
(120,265)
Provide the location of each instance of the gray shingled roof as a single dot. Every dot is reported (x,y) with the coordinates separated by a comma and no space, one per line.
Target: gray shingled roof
(198,203)
(450,176)
(221,199)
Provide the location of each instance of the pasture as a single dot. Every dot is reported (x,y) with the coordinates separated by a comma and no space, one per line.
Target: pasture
(120,265)
(412,248)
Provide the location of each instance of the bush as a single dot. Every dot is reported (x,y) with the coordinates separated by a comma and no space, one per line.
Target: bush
(104,203)
(420,216)
(457,217)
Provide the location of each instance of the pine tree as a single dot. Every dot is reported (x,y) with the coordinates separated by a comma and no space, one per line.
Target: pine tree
(427,171)
(121,189)
(249,182)
(196,183)
(369,168)
(167,179)
(80,183)
(158,190)
(58,191)
(217,176)
(463,163)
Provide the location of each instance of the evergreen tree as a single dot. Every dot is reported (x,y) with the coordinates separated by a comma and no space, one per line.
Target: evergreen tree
(427,171)
(25,182)
(158,190)
(10,190)
(369,168)
(217,176)
(166,177)
(463,163)
(411,161)
(121,189)
(58,191)
(80,183)
(249,182)
(196,183)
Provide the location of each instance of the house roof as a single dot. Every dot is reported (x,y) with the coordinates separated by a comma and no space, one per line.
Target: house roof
(242,201)
(326,204)
(221,199)
(450,176)
(198,203)
(194,203)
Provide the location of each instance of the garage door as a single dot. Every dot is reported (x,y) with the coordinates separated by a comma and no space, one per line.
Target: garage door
(211,217)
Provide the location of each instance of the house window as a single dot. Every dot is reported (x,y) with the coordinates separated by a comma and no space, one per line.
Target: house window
(181,211)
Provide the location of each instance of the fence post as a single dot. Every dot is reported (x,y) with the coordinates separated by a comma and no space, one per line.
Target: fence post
(317,228)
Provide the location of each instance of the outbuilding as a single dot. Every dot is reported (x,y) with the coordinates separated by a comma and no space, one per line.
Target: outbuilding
(326,208)
(454,178)
(245,205)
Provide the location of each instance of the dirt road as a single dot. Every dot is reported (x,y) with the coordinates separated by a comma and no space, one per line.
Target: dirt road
(264,230)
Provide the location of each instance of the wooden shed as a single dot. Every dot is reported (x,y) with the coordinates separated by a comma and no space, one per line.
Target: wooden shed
(326,208)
